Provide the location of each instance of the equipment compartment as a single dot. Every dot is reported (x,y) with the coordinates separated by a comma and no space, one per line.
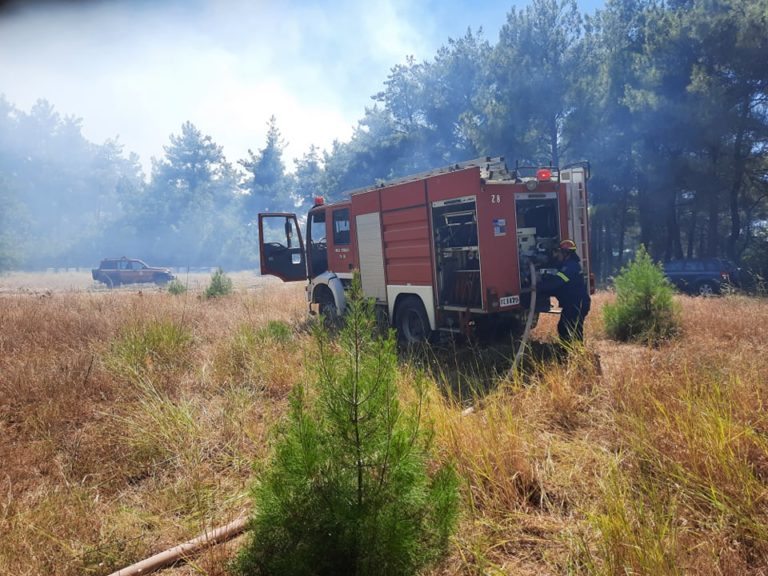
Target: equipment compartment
(456,253)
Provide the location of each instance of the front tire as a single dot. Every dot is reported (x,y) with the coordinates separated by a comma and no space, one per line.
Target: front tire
(412,323)
(707,289)
(161,279)
(327,306)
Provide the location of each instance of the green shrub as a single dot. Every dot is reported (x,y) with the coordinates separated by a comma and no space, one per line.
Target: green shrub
(348,489)
(645,310)
(221,285)
(176,287)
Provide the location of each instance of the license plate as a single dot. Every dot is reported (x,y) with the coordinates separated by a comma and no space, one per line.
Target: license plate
(509,301)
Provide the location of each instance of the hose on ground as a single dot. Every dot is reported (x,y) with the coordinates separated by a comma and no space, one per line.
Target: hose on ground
(185,550)
(528,323)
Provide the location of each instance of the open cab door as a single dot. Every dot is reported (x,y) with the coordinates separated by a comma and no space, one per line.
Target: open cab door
(281,247)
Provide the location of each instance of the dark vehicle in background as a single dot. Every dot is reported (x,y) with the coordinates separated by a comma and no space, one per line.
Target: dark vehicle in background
(117,271)
(704,276)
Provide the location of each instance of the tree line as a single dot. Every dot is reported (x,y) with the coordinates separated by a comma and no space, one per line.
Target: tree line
(668,100)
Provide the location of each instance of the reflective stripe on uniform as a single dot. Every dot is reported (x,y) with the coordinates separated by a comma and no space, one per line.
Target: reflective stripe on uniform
(564,277)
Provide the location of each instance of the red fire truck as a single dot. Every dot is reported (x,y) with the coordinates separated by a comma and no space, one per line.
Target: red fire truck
(447,251)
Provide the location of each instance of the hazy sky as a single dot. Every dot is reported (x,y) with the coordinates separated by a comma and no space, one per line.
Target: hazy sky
(138,69)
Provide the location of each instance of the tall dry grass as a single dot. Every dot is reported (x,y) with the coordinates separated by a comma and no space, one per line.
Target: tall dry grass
(121,434)
(133,419)
(653,463)
(688,493)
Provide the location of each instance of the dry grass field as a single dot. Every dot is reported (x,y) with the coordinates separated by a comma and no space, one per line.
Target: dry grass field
(80,281)
(132,420)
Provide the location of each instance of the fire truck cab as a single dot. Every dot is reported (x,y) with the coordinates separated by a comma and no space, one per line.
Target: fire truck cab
(448,251)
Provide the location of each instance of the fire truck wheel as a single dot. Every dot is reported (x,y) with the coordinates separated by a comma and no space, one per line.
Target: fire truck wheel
(412,322)
(327,305)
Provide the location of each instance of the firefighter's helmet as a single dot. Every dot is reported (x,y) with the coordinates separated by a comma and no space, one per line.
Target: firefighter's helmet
(568,245)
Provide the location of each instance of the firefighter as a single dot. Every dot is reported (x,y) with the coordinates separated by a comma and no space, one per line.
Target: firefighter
(571,290)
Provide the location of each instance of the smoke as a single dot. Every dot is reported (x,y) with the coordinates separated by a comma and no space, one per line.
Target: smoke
(138,70)
(135,71)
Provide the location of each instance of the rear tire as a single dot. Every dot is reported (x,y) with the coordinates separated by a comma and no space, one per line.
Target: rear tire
(106,280)
(412,323)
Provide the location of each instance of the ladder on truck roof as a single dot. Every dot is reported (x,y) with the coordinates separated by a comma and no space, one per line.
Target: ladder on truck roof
(491,168)
(578,212)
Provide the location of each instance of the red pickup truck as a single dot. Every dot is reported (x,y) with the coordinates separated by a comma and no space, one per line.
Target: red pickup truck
(117,271)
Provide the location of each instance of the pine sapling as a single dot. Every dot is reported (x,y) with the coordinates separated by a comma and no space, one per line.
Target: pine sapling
(348,490)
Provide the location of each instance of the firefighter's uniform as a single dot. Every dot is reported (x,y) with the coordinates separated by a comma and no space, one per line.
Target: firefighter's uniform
(570,289)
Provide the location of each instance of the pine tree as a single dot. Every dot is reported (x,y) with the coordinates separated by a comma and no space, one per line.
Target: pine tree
(268,186)
(644,310)
(188,208)
(348,490)
(309,177)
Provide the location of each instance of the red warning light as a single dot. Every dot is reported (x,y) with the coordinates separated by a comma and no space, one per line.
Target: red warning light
(543,174)
(319,200)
